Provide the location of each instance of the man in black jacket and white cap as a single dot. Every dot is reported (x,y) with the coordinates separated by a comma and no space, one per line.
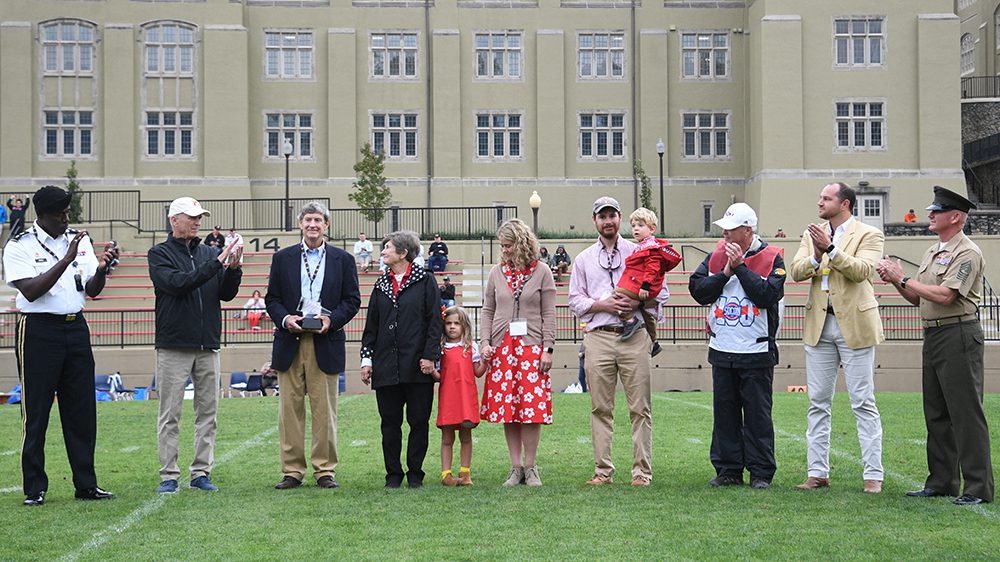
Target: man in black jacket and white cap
(190,280)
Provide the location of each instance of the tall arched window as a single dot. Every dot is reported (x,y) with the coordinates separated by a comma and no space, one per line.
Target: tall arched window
(68,47)
(968,60)
(169,48)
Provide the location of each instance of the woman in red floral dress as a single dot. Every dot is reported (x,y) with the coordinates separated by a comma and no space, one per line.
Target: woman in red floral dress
(517,333)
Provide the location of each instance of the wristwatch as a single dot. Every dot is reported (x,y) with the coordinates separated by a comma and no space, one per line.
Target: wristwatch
(549,350)
(829,248)
(902,282)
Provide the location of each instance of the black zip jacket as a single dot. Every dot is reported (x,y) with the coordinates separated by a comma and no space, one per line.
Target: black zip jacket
(190,283)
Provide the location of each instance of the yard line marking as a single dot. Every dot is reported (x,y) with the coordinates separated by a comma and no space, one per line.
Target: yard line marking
(9,490)
(10,452)
(694,440)
(160,500)
(905,480)
(131,449)
(917,441)
(583,439)
(359,443)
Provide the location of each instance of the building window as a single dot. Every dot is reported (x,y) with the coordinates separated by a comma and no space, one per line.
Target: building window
(68,48)
(394,55)
(859,41)
(395,134)
(295,127)
(498,54)
(601,55)
(169,49)
(602,135)
(69,132)
(968,58)
(996,27)
(169,133)
(707,211)
(860,125)
(706,135)
(705,55)
(963,4)
(288,54)
(498,135)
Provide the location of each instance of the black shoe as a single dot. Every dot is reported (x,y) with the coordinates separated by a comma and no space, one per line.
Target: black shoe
(967,499)
(656,349)
(287,483)
(416,484)
(925,493)
(94,493)
(35,499)
(760,484)
(327,482)
(725,480)
(393,481)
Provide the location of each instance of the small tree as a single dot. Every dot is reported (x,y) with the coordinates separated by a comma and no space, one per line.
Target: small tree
(371,194)
(645,191)
(75,206)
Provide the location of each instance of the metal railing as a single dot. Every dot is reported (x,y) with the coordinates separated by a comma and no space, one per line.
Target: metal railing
(684,323)
(980,87)
(452,223)
(241,214)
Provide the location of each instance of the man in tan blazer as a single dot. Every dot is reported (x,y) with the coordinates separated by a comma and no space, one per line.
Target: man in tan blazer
(842,326)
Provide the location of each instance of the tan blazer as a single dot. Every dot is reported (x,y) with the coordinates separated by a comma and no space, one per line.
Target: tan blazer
(851,291)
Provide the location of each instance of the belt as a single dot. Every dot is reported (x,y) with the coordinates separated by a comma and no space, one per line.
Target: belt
(613,329)
(62,317)
(948,321)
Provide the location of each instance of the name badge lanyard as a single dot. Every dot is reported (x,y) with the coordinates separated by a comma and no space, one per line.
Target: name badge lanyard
(518,325)
(611,263)
(310,273)
(77,277)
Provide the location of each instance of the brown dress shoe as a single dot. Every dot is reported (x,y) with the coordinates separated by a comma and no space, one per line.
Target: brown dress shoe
(449,480)
(327,482)
(640,481)
(873,486)
(814,483)
(599,480)
(287,483)
(464,478)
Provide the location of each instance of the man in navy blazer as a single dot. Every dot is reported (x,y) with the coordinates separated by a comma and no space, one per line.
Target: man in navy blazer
(312,271)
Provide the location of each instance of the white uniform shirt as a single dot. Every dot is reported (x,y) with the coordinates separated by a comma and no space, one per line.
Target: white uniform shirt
(25,258)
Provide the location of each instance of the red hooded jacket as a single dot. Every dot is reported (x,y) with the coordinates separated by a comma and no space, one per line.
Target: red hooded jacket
(645,268)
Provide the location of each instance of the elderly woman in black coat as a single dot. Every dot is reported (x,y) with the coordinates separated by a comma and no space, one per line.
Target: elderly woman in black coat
(401,342)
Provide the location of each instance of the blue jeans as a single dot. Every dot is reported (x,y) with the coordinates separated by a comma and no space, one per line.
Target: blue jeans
(437,263)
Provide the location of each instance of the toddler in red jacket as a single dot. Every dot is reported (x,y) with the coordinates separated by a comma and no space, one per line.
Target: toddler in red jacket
(644,271)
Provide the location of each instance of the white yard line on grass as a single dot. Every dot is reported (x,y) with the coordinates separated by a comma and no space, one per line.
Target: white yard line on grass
(131,449)
(9,490)
(160,500)
(907,481)
(10,452)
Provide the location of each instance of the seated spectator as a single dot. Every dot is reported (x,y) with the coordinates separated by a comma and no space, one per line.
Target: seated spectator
(363,252)
(545,257)
(234,236)
(910,217)
(420,260)
(780,234)
(438,254)
(255,310)
(561,261)
(268,379)
(447,292)
(215,239)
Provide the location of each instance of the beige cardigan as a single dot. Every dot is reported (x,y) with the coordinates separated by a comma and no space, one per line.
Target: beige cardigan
(538,307)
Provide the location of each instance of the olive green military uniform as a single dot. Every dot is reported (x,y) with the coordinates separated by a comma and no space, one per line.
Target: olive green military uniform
(957,436)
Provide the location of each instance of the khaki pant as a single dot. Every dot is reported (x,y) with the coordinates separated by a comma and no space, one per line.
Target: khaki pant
(608,360)
(173,367)
(647,319)
(322,388)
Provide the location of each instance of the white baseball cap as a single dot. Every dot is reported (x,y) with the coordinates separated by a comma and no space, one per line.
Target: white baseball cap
(737,215)
(187,205)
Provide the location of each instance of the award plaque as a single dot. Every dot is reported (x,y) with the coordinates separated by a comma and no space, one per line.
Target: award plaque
(312,313)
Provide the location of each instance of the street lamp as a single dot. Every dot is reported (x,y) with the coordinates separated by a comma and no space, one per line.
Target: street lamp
(660,149)
(535,201)
(287,150)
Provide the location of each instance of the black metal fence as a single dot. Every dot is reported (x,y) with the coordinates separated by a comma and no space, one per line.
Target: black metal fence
(980,87)
(684,323)
(452,223)
(241,214)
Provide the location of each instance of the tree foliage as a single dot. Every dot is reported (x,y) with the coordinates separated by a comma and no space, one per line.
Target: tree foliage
(645,191)
(75,205)
(371,195)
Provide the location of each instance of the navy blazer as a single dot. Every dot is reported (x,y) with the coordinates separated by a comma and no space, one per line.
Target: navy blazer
(340,295)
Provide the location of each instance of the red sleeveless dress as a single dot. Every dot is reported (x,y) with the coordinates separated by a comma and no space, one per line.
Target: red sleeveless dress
(458,397)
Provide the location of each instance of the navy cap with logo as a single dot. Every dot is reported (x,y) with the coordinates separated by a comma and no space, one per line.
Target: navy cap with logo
(947,200)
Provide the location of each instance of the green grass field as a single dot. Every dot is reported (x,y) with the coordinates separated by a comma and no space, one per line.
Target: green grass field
(678,517)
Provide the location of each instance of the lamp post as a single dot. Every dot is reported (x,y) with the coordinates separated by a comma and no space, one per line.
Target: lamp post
(287,150)
(535,201)
(660,149)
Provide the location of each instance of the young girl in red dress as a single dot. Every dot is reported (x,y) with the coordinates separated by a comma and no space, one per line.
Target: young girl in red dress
(458,398)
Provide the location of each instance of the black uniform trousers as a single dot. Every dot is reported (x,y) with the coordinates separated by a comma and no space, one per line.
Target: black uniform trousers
(743,433)
(958,439)
(418,399)
(54,358)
